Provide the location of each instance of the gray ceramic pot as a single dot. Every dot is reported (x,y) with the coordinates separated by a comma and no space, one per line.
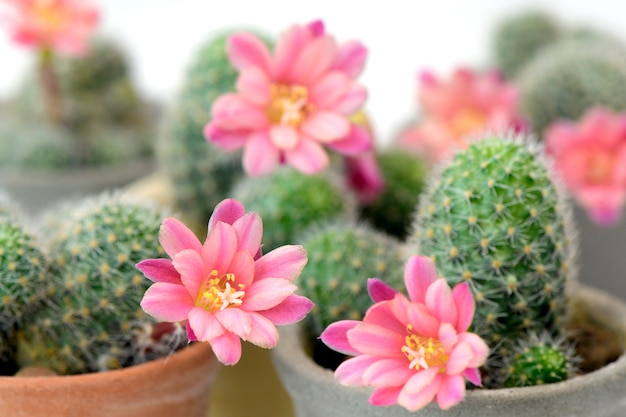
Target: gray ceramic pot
(599,394)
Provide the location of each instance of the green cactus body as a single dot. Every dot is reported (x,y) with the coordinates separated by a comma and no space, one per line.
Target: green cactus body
(568,78)
(392,211)
(91,319)
(518,38)
(290,202)
(341,259)
(202,173)
(494,218)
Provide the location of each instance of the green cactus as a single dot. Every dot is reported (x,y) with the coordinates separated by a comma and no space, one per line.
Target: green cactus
(393,209)
(541,360)
(202,173)
(518,38)
(493,217)
(91,319)
(569,77)
(289,202)
(341,259)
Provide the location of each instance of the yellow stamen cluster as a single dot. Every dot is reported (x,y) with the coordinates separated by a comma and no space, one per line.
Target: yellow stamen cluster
(423,352)
(289,105)
(217,293)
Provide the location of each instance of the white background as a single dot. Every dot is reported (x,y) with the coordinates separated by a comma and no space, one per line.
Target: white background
(403,37)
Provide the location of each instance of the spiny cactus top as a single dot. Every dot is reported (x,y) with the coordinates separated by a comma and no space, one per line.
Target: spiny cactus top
(494,218)
(91,319)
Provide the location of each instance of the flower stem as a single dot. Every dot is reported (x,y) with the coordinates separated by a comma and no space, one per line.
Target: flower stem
(50,86)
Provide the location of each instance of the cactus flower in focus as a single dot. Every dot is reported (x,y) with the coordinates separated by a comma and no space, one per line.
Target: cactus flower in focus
(292,103)
(460,107)
(224,289)
(412,350)
(590,155)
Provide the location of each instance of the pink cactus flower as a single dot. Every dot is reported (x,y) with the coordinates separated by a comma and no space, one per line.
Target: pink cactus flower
(591,157)
(458,108)
(60,25)
(224,289)
(364,176)
(293,102)
(412,351)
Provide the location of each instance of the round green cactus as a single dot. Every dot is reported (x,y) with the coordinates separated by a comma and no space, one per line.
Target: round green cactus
(341,259)
(392,211)
(570,77)
(91,319)
(518,38)
(494,218)
(290,202)
(202,173)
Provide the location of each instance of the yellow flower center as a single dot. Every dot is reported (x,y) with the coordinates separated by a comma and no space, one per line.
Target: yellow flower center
(217,293)
(289,105)
(423,352)
(49,15)
(467,121)
(600,166)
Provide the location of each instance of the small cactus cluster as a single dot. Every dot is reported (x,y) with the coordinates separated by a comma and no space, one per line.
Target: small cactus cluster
(91,319)
(290,202)
(342,256)
(392,210)
(494,218)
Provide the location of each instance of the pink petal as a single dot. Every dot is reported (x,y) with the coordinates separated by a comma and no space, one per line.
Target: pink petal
(376,340)
(264,333)
(227,211)
(314,60)
(242,267)
(287,49)
(335,336)
(351,57)
(364,176)
(204,325)
(316,27)
(249,229)
(326,126)
(228,140)
(440,302)
(355,143)
(382,315)
(159,270)
(379,290)
(352,100)
(479,348)
(219,248)
(382,397)
(235,320)
(350,372)
(420,390)
(419,274)
(167,302)
(473,375)
(227,348)
(284,262)
(309,157)
(329,89)
(260,156)
(423,322)
(267,293)
(231,112)
(174,237)
(254,86)
(388,373)
(192,270)
(246,50)
(447,336)
(459,359)
(293,309)
(284,137)
(464,300)
(451,392)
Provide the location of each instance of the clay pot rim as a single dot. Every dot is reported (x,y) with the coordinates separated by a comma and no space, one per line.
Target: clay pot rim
(303,362)
(192,352)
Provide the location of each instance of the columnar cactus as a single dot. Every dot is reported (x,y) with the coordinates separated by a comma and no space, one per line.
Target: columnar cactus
(289,202)
(569,77)
(517,40)
(342,256)
(91,319)
(494,218)
(393,209)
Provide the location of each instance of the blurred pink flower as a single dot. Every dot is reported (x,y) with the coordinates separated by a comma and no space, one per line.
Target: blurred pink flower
(224,289)
(412,351)
(462,106)
(290,104)
(591,157)
(61,25)
(364,176)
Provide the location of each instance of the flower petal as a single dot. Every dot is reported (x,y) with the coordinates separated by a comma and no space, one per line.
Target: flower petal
(352,100)
(204,325)
(284,137)
(351,57)
(423,321)
(227,211)
(225,139)
(246,50)
(350,372)
(388,373)
(382,315)
(451,392)
(326,126)
(419,274)
(242,267)
(440,302)
(329,89)
(288,47)
(159,270)
(473,375)
(464,300)
(231,112)
(167,302)
(284,262)
(385,396)
(379,290)
(249,230)
(219,248)
(267,293)
(192,270)
(293,309)
(308,157)
(447,336)
(174,237)
(376,340)
(459,359)
(227,348)
(235,320)
(355,143)
(260,156)
(480,350)
(314,60)
(420,390)
(254,86)
(264,333)
(335,336)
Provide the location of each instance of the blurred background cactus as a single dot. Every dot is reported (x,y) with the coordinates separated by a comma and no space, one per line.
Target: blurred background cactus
(91,319)
(494,218)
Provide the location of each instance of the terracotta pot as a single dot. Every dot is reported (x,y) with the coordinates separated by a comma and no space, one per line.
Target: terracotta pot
(600,393)
(175,386)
